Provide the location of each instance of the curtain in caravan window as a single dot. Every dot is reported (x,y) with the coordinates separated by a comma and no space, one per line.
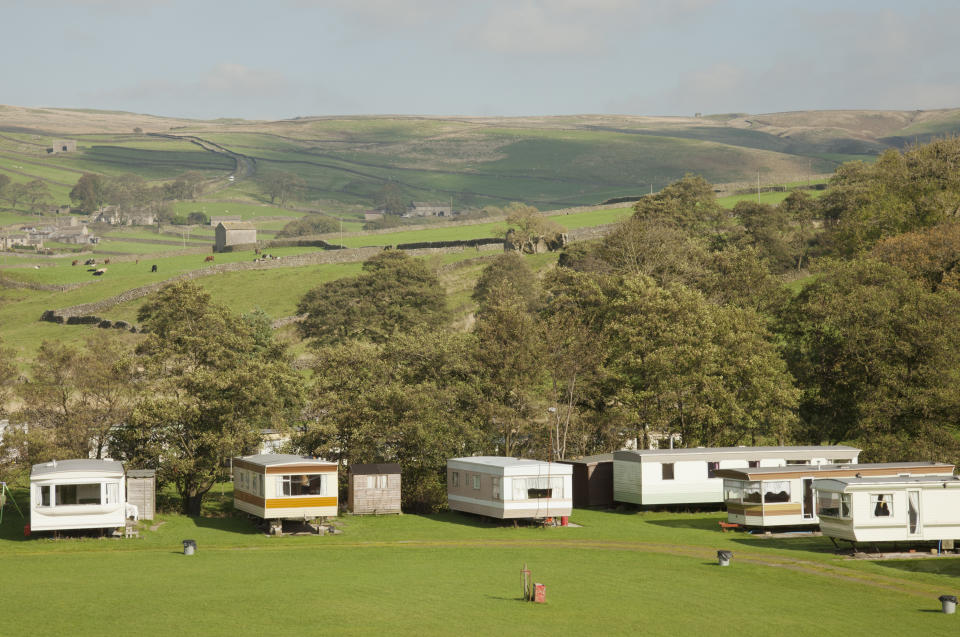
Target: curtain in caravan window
(521,486)
(913,511)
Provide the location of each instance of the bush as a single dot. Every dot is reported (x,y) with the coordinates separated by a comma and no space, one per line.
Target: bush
(311,224)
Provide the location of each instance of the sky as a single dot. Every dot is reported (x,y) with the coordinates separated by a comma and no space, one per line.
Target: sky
(290,58)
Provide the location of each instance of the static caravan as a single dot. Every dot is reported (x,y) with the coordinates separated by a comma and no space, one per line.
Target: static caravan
(77,494)
(891,509)
(651,477)
(783,496)
(592,480)
(374,488)
(507,488)
(278,486)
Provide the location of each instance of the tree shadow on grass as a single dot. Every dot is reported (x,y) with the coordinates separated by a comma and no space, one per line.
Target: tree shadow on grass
(703,524)
(933,565)
(229,524)
(810,544)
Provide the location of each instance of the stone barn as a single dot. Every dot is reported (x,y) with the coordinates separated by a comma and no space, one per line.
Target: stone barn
(430,209)
(374,488)
(63,146)
(234,235)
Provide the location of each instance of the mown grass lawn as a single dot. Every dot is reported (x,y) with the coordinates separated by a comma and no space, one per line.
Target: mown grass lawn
(619,573)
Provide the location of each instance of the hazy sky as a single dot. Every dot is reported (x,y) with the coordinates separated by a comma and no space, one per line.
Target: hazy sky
(287,58)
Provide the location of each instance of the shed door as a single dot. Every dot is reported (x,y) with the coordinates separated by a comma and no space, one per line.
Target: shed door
(808,497)
(913,512)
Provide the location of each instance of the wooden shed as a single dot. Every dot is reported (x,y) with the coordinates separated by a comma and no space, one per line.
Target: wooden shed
(592,480)
(142,491)
(374,488)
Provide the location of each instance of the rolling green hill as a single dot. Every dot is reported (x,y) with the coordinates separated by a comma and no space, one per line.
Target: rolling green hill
(548,162)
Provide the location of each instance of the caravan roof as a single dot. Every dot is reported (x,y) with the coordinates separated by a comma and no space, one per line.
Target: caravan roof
(54,467)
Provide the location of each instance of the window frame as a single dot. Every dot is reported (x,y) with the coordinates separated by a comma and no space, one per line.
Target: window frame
(712,467)
(668,468)
(476,482)
(875,502)
(455,479)
(286,480)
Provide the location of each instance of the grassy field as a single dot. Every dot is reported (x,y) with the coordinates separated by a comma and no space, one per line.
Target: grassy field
(619,573)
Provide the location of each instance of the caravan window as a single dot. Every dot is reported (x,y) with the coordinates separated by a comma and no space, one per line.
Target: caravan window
(732,491)
(666,471)
(539,487)
(476,481)
(776,491)
(301,485)
(45,496)
(751,492)
(495,488)
(881,504)
(454,478)
(77,494)
(712,468)
(833,505)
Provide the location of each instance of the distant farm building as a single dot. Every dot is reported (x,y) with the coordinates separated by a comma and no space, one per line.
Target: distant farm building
(234,235)
(115,217)
(374,488)
(373,215)
(63,146)
(430,209)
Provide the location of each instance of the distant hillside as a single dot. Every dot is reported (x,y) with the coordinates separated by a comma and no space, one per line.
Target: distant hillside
(546,161)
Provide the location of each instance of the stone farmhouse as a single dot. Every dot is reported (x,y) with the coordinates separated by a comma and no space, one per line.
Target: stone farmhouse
(113,216)
(234,235)
(430,209)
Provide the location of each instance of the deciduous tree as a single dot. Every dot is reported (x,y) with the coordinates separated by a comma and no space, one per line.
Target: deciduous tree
(395,293)
(211,390)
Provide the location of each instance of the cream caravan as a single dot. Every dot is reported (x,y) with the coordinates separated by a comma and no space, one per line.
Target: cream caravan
(651,477)
(509,487)
(784,496)
(893,509)
(77,494)
(285,486)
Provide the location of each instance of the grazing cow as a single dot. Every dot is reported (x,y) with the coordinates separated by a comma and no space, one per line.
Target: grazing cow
(99,272)
(75,262)
(208,259)
(90,262)
(106,262)
(154,268)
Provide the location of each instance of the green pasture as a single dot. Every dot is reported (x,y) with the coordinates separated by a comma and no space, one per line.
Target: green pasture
(246,211)
(618,573)
(11,217)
